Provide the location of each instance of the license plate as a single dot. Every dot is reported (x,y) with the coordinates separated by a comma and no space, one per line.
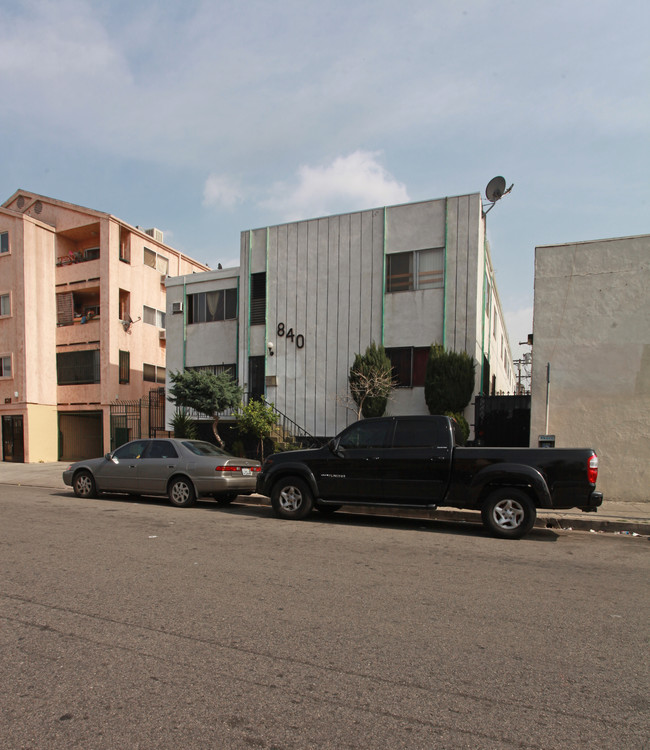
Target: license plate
(247,472)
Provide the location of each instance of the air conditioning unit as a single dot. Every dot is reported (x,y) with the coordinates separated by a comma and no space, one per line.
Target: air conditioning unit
(162,335)
(163,276)
(155,233)
(177,307)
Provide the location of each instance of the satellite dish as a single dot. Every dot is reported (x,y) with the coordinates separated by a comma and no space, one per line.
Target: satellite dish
(495,190)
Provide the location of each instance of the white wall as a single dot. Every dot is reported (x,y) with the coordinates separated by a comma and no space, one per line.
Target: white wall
(592,323)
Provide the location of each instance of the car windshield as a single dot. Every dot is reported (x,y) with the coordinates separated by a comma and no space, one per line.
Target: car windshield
(202,448)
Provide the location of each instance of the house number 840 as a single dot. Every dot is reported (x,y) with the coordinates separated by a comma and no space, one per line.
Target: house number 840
(298,339)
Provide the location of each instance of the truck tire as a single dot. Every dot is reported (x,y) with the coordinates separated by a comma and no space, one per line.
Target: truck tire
(508,513)
(291,498)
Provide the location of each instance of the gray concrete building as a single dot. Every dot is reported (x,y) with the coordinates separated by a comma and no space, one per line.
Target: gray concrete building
(309,295)
(592,326)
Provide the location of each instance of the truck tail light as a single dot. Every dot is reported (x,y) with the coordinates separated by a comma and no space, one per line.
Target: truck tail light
(592,469)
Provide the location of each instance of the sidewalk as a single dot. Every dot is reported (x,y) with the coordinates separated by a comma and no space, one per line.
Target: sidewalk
(633,518)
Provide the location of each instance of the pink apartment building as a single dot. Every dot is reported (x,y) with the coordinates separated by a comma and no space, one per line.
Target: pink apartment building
(82,324)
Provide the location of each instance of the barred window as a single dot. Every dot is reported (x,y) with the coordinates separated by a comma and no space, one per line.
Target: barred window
(125,366)
(77,368)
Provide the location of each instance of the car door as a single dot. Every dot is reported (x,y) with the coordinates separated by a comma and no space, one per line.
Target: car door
(158,463)
(355,470)
(120,472)
(417,465)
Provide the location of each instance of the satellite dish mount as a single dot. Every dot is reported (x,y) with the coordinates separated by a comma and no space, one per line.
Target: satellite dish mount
(495,190)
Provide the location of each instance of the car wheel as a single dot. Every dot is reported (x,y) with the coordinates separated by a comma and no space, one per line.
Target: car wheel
(291,498)
(327,510)
(84,485)
(509,513)
(181,492)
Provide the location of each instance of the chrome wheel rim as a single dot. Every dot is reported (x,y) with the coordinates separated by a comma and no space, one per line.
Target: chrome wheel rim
(290,498)
(180,492)
(84,485)
(508,514)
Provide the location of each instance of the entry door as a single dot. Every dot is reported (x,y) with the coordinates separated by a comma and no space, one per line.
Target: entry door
(256,377)
(13,448)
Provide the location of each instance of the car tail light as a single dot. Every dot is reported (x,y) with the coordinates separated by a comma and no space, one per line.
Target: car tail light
(592,469)
(227,468)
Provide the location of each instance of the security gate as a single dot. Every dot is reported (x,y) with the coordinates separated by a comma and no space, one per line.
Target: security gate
(144,417)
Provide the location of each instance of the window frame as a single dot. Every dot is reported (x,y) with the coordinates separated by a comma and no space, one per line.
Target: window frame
(124,367)
(159,316)
(414,275)
(81,369)
(159,373)
(10,374)
(417,365)
(227,302)
(5,248)
(7,296)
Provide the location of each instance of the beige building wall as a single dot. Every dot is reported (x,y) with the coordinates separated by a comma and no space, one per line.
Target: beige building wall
(592,324)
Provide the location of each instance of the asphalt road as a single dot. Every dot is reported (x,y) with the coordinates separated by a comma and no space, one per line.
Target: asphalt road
(138,625)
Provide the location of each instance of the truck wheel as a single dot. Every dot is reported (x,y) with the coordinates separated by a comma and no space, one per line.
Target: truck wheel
(84,485)
(291,498)
(181,492)
(508,513)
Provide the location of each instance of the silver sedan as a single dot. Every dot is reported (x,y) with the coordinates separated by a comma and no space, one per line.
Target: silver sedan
(180,469)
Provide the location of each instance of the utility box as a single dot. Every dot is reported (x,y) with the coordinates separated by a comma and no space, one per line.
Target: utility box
(546,441)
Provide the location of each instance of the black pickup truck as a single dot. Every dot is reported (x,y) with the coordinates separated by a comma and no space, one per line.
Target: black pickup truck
(418,462)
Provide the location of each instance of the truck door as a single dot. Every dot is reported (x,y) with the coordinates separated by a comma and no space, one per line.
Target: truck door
(417,465)
(354,472)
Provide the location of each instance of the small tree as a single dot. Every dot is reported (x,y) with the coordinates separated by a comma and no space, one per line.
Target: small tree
(371,381)
(205,393)
(449,380)
(257,419)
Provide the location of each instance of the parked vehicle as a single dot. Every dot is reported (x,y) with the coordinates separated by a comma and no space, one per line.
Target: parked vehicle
(417,462)
(180,469)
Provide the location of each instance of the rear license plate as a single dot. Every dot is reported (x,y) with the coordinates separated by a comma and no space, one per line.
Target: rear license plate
(247,472)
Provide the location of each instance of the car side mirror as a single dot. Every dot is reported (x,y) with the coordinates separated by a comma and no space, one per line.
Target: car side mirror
(333,445)
(108,456)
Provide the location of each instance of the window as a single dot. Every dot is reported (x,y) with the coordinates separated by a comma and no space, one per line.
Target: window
(367,435)
(91,253)
(420,269)
(5,304)
(153,317)
(216,369)
(4,242)
(76,368)
(131,450)
(154,260)
(258,298)
(207,307)
(153,373)
(5,366)
(161,449)
(418,433)
(125,366)
(409,365)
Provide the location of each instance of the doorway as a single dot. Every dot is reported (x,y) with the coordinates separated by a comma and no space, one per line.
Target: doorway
(13,446)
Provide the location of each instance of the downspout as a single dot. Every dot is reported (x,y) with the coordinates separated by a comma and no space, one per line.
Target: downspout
(383,285)
(184,323)
(444,288)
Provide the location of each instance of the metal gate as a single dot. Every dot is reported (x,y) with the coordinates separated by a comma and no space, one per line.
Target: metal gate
(145,417)
(502,421)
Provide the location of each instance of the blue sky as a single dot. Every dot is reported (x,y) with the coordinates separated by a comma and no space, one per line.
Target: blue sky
(207,118)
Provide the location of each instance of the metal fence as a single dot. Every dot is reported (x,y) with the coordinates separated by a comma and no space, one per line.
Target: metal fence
(143,417)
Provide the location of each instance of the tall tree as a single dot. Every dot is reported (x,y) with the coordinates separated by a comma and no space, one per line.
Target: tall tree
(206,393)
(371,381)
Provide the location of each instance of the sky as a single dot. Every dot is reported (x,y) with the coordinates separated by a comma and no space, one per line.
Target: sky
(205,119)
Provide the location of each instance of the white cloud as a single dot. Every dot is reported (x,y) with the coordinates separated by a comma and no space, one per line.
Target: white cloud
(220,191)
(354,182)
